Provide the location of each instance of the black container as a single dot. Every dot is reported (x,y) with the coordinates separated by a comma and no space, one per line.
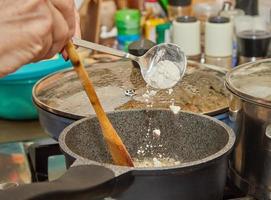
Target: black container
(253,43)
(139,48)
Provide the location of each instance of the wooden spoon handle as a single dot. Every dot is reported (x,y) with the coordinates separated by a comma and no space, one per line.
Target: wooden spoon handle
(116,147)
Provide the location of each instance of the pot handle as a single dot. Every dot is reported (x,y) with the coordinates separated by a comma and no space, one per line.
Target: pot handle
(80,182)
(38,154)
(235,107)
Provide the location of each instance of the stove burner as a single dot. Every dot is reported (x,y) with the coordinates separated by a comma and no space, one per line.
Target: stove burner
(38,154)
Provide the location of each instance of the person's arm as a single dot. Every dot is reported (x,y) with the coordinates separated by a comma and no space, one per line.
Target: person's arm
(32,30)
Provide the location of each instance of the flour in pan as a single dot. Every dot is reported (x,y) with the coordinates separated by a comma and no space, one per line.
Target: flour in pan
(156,162)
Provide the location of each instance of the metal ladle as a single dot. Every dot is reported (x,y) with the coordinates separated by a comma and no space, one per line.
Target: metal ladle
(147,62)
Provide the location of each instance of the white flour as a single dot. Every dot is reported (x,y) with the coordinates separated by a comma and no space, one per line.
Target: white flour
(165,74)
(175,109)
(148,95)
(170,90)
(156,162)
(156,132)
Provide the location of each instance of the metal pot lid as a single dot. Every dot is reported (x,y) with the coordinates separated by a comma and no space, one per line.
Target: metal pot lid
(252,82)
(120,86)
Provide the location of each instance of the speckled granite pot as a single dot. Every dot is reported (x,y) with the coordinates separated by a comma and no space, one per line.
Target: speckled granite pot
(201,143)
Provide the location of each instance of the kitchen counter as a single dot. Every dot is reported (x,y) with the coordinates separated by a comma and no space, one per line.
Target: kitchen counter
(11,131)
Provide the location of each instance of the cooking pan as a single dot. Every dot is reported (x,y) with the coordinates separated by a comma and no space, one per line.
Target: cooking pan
(201,144)
(60,99)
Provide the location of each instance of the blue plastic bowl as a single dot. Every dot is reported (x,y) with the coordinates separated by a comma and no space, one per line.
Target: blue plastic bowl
(16,88)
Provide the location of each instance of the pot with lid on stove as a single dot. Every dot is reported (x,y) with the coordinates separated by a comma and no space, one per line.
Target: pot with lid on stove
(187,160)
(60,98)
(250,112)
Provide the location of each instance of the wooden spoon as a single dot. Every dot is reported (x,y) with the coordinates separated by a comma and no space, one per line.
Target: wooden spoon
(116,147)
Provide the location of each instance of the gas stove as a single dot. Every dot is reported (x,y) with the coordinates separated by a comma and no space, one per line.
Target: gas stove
(43,161)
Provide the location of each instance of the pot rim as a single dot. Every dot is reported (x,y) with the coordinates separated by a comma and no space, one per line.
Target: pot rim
(69,115)
(198,163)
(246,97)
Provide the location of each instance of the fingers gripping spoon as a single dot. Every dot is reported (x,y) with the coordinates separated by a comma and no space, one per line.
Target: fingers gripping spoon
(116,147)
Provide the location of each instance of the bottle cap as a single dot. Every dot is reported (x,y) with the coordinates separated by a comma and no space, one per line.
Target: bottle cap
(219,20)
(186,19)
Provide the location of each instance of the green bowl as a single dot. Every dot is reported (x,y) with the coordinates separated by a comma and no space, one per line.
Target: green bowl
(16,88)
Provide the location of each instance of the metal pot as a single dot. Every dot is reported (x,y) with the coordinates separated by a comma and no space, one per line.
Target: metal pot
(201,144)
(250,112)
(56,96)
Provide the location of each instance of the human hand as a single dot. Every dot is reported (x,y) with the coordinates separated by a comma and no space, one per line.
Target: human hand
(34,30)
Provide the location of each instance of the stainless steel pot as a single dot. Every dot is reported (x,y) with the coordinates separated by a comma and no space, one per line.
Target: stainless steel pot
(250,112)
(201,144)
(61,100)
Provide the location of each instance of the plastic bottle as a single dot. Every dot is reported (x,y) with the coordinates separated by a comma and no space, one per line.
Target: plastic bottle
(218,41)
(163,33)
(150,28)
(128,26)
(186,34)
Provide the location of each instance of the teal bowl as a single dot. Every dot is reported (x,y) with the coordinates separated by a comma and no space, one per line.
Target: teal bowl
(16,88)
